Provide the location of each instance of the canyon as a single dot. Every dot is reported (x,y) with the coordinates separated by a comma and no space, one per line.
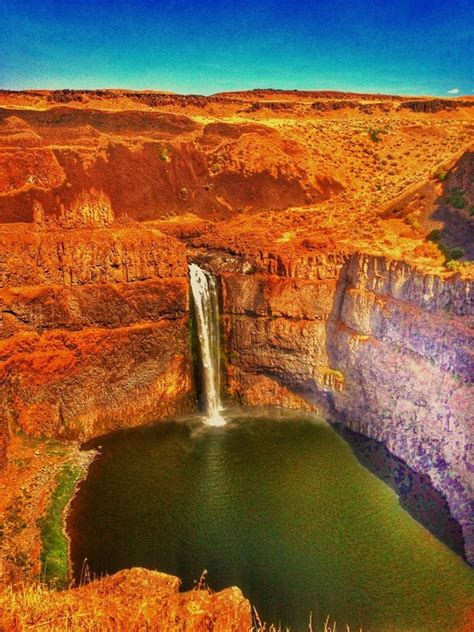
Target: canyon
(339,228)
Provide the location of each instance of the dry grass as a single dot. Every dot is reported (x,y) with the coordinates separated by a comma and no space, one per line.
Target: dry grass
(132,601)
(36,607)
(328,626)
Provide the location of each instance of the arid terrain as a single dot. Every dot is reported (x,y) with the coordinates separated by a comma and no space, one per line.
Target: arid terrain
(341,228)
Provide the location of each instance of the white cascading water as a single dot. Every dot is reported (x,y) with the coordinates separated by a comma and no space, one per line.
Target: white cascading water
(206,301)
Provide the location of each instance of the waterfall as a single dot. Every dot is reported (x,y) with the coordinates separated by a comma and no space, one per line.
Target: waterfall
(206,301)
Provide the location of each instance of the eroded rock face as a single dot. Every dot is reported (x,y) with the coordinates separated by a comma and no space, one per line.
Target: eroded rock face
(4,438)
(372,343)
(94,330)
(75,165)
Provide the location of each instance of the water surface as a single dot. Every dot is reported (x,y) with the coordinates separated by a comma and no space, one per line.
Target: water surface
(280,507)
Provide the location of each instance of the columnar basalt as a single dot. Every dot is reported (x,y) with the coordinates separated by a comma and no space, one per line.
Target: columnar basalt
(94,330)
(372,343)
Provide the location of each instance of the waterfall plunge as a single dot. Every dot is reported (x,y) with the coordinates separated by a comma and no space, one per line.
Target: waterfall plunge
(204,289)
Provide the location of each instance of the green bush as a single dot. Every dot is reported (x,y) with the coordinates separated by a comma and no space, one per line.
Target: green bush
(456,253)
(455,198)
(435,235)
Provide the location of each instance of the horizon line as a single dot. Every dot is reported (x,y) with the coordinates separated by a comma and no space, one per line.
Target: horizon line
(240,90)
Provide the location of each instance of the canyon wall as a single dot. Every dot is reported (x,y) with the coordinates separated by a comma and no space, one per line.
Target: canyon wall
(93,329)
(94,299)
(367,341)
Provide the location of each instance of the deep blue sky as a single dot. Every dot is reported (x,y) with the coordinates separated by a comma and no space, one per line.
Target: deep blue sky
(398,46)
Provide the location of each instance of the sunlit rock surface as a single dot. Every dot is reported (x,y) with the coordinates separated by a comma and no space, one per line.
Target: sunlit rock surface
(94,329)
(134,599)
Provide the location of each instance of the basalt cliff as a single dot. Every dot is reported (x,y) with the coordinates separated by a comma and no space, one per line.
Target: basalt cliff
(367,342)
(340,227)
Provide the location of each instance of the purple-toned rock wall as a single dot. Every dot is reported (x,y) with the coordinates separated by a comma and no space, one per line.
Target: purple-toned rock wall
(375,344)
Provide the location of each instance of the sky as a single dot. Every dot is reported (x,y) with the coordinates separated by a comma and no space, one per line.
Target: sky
(206,46)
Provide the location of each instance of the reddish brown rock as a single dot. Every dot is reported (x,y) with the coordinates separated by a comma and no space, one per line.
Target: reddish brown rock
(94,329)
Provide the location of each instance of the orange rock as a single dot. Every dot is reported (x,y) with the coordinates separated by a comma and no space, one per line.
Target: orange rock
(132,600)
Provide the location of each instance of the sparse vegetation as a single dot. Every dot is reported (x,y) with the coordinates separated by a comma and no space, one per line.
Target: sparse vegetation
(413,221)
(374,134)
(452,265)
(54,553)
(450,254)
(442,175)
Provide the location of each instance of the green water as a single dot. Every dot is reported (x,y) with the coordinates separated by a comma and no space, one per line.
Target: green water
(278,506)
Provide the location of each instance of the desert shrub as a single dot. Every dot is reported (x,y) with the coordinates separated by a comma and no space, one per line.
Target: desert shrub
(450,254)
(435,235)
(456,253)
(455,198)
(374,134)
(412,221)
(452,265)
(164,154)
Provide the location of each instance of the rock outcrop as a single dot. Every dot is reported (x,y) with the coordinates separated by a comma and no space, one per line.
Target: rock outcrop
(131,600)
(435,105)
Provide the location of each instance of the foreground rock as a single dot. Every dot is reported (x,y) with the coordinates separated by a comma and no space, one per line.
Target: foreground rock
(132,600)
